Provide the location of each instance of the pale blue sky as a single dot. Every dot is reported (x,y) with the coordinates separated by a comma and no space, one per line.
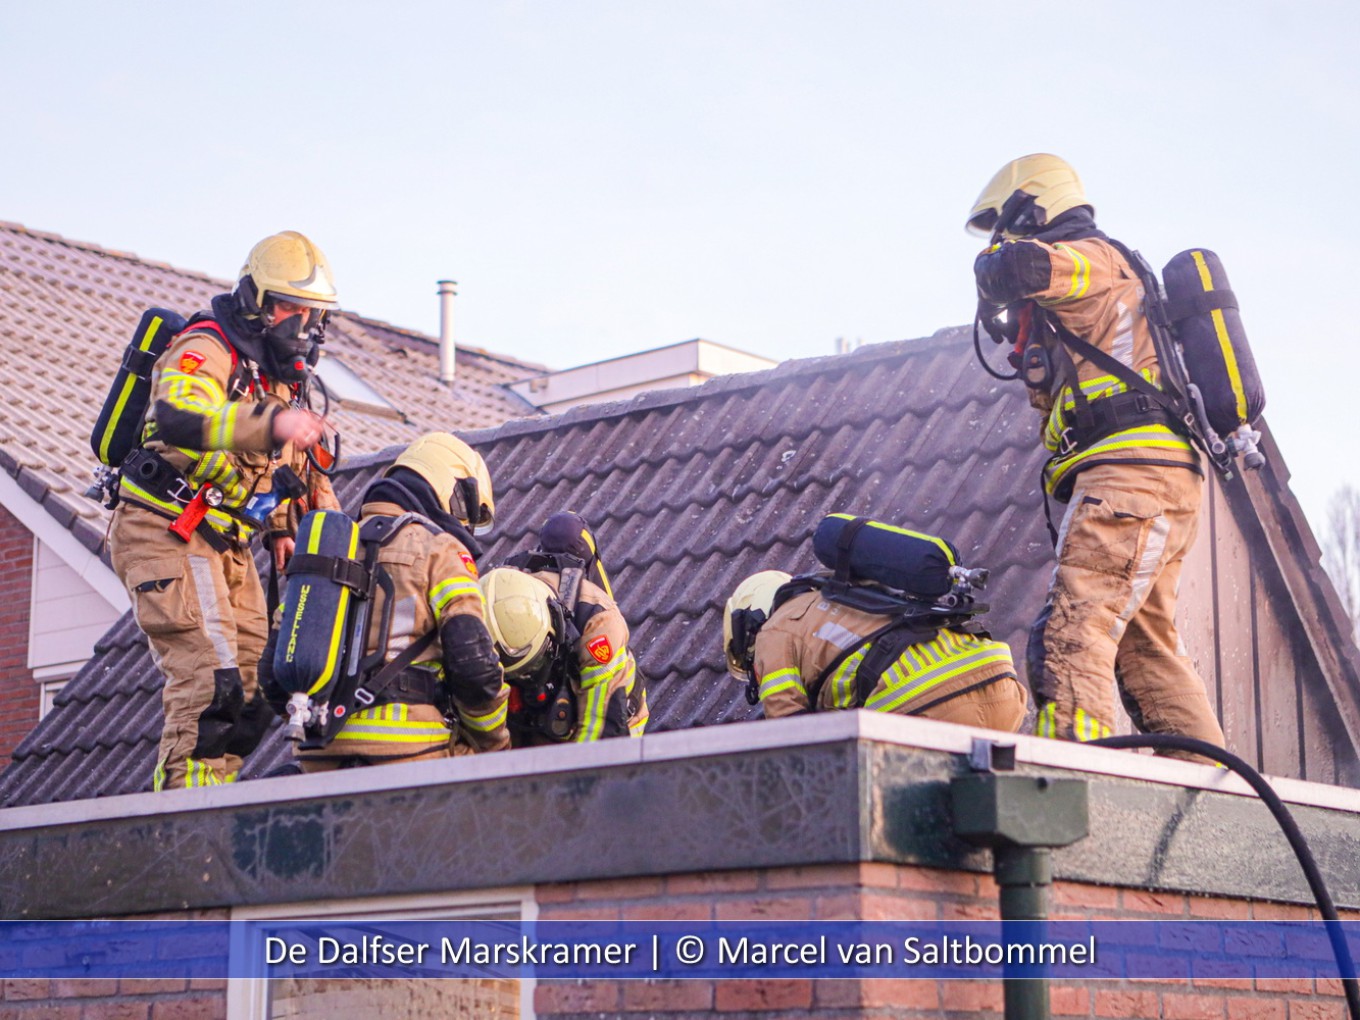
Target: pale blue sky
(603,177)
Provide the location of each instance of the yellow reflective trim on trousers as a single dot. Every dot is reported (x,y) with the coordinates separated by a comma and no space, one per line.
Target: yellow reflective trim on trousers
(446,591)
(1081,273)
(1224,341)
(1046,722)
(591,724)
(198,773)
(120,405)
(939,542)
(1085,726)
(488,722)
(780,680)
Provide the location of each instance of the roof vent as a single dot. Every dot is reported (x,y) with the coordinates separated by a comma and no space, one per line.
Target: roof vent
(447,366)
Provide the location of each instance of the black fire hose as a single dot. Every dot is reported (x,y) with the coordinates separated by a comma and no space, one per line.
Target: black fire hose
(1166,741)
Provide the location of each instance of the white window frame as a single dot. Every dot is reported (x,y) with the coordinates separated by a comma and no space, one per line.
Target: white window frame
(248,998)
(48,691)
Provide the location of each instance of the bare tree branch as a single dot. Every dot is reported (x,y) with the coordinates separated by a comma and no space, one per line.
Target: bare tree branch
(1341,550)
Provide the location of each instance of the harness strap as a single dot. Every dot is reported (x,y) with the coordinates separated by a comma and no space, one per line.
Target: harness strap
(340,569)
(923,709)
(844,541)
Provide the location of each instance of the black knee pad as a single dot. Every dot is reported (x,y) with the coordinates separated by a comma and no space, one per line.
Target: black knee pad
(217,721)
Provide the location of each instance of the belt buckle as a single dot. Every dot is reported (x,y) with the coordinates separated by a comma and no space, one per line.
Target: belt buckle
(1066,443)
(364,696)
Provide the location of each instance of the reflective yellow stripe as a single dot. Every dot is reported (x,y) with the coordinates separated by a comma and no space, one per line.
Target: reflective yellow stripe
(198,773)
(1081,273)
(342,608)
(592,675)
(1046,723)
(902,685)
(591,724)
(842,681)
(943,546)
(222,433)
(192,393)
(446,591)
(219,520)
(1145,437)
(1088,727)
(152,329)
(1224,341)
(486,723)
(389,724)
(782,680)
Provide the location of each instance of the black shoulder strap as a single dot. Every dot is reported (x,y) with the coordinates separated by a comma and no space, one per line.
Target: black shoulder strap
(569,588)
(368,692)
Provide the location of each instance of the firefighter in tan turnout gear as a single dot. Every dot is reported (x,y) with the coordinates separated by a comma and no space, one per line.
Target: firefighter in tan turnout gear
(452,698)
(219,427)
(841,641)
(564,642)
(1131,481)
(953,677)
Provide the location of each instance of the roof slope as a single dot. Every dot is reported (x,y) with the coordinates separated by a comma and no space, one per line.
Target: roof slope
(67,310)
(691,490)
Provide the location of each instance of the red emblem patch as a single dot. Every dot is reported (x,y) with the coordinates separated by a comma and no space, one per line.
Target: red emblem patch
(189,362)
(599,648)
(468,562)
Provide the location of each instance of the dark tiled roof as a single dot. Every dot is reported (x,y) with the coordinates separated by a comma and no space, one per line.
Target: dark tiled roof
(67,310)
(689,491)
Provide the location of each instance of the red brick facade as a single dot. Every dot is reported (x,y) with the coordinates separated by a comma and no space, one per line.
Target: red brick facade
(833,892)
(19,696)
(883,892)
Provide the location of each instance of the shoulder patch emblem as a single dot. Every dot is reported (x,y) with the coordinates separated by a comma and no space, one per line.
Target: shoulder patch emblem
(190,361)
(468,562)
(599,649)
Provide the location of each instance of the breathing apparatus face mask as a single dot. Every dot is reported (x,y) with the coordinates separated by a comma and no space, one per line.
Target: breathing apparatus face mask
(466,503)
(741,652)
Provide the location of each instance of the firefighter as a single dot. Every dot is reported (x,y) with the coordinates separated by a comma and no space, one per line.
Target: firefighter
(805,653)
(452,699)
(564,642)
(1126,470)
(220,424)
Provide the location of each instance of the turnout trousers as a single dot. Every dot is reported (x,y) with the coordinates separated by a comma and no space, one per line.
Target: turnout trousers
(1109,619)
(203,613)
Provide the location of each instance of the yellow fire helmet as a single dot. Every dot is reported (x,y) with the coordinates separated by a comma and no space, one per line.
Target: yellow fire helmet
(1050,184)
(457,474)
(520,618)
(291,267)
(747,609)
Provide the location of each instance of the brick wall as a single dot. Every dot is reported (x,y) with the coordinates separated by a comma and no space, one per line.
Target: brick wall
(160,999)
(888,892)
(19,697)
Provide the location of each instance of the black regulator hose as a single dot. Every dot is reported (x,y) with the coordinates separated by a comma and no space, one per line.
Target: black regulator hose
(1171,742)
